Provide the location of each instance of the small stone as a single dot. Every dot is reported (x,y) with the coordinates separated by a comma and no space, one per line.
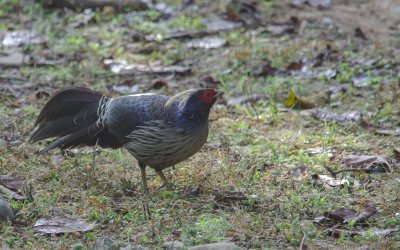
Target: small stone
(105,243)
(216,246)
(173,245)
(6,212)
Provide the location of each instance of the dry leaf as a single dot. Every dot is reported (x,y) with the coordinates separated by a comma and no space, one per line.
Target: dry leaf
(265,71)
(346,215)
(58,225)
(294,66)
(326,115)
(373,163)
(330,181)
(15,183)
(396,153)
(10,193)
(369,210)
(341,215)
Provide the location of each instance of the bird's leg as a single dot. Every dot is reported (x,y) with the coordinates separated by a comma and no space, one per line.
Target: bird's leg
(145,204)
(162,176)
(144,177)
(166,183)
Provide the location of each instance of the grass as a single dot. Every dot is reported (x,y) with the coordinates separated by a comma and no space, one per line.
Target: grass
(253,150)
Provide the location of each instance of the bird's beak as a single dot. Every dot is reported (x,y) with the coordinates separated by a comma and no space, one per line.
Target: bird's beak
(219,94)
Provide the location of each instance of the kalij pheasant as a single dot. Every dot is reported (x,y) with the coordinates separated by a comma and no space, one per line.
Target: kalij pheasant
(159,131)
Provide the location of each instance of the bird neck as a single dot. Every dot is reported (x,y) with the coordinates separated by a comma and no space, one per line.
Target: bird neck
(195,113)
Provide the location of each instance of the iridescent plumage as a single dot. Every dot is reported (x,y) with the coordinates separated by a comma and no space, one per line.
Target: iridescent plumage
(159,131)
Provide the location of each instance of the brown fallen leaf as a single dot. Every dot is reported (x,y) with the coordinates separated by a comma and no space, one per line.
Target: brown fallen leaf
(294,66)
(371,163)
(369,210)
(246,99)
(58,225)
(341,215)
(11,194)
(15,183)
(346,215)
(265,71)
(396,153)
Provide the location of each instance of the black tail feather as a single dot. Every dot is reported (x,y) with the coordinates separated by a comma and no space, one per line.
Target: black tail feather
(71,114)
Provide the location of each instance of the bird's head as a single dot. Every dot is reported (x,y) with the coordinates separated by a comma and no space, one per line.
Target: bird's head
(196,103)
(205,97)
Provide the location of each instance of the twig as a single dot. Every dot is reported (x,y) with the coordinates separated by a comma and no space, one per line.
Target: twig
(302,241)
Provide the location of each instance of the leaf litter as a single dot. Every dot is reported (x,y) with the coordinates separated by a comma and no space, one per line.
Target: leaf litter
(12,186)
(237,18)
(326,115)
(369,163)
(58,225)
(337,219)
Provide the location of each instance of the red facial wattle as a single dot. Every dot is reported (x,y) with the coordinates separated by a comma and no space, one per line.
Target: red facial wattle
(208,96)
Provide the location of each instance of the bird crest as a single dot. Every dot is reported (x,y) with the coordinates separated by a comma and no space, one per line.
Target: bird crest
(182,96)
